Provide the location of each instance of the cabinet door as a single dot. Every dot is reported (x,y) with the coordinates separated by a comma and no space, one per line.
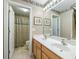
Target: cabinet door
(38,53)
(56,57)
(44,56)
(34,49)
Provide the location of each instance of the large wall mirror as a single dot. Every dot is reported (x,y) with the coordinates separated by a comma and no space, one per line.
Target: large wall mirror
(64,25)
(61,25)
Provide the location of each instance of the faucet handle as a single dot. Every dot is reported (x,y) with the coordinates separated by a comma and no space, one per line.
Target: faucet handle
(63,42)
(45,36)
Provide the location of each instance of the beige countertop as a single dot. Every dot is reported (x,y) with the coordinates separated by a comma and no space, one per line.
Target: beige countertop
(69,53)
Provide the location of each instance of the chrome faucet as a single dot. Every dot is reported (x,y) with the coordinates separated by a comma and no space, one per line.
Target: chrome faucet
(63,41)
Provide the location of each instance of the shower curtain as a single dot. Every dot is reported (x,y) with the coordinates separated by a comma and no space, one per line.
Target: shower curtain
(21,30)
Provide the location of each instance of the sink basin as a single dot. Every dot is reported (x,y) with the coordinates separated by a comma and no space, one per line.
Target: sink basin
(61,47)
(58,45)
(72,42)
(52,41)
(65,48)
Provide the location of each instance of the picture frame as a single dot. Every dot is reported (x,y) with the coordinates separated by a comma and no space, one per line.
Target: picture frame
(37,21)
(47,22)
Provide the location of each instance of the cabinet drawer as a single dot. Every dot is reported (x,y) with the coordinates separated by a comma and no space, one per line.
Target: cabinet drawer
(44,56)
(55,56)
(49,53)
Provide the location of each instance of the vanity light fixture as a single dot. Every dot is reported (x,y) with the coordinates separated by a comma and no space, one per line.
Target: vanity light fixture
(54,0)
(52,4)
(25,10)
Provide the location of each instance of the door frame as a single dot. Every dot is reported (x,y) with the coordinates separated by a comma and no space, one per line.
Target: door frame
(12,3)
(59,23)
(9,32)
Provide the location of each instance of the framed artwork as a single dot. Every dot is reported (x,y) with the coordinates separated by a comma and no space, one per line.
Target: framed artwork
(37,20)
(47,21)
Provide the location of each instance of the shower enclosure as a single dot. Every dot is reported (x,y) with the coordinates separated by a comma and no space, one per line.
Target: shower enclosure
(21,30)
(55,25)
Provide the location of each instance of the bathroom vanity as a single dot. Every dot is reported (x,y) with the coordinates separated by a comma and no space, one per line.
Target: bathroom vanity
(42,52)
(48,49)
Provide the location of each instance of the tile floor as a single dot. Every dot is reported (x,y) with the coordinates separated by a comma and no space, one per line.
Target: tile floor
(21,53)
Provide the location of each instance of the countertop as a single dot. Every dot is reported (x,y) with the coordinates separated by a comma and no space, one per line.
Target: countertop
(65,54)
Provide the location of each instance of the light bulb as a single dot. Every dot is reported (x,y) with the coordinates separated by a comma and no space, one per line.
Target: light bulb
(54,0)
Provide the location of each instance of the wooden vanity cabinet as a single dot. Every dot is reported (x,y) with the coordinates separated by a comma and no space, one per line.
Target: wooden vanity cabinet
(49,53)
(44,56)
(38,56)
(41,52)
(36,49)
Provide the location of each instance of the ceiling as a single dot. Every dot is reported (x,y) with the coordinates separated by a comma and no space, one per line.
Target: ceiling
(42,2)
(65,5)
(61,7)
(19,11)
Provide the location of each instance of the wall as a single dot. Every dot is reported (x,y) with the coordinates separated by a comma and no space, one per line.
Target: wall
(74,25)
(47,29)
(66,24)
(38,12)
(11,33)
(5,29)
(21,30)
